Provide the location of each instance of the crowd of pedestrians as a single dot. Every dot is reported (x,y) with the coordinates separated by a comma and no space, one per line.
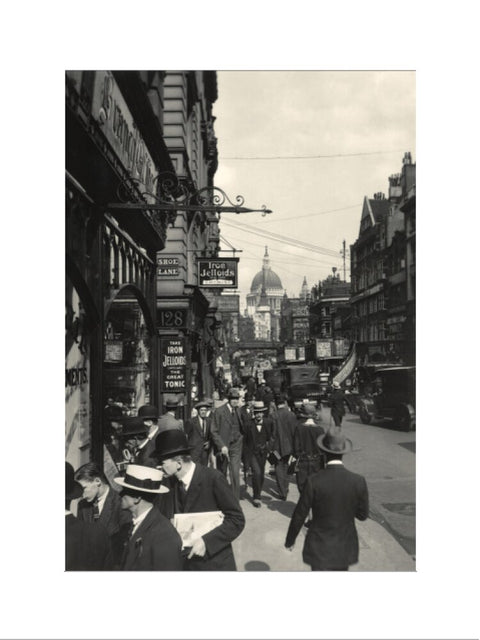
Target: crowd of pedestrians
(159,473)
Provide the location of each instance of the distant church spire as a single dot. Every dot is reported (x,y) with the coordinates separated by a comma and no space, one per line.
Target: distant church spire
(304,291)
(266,259)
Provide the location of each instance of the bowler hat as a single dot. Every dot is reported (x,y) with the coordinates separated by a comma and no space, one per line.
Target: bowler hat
(132,426)
(281,398)
(259,406)
(113,412)
(307,410)
(148,412)
(143,479)
(233,393)
(172,403)
(73,489)
(169,443)
(335,442)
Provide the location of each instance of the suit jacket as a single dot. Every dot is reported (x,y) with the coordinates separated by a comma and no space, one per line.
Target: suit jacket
(155,546)
(87,546)
(196,439)
(259,441)
(209,491)
(285,425)
(336,496)
(337,400)
(168,421)
(223,424)
(115,520)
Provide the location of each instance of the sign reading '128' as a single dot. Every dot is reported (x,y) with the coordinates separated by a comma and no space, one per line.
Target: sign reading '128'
(218,273)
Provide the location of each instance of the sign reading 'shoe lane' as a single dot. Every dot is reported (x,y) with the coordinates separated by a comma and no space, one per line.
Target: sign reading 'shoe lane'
(173,365)
(218,273)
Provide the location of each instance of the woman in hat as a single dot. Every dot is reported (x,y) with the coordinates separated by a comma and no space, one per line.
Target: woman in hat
(154,544)
(336,496)
(259,434)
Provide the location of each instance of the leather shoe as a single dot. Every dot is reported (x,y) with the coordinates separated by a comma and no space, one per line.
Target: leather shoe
(257,503)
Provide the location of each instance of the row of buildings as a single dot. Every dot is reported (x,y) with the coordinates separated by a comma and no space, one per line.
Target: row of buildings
(139,328)
(375,310)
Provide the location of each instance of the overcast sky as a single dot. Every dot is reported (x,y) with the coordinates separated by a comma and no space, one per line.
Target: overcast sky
(363,120)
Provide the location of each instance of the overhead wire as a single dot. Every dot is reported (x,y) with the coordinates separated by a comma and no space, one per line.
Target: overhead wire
(310,157)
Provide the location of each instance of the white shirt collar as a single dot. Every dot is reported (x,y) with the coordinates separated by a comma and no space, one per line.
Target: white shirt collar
(101,501)
(332,462)
(187,478)
(137,521)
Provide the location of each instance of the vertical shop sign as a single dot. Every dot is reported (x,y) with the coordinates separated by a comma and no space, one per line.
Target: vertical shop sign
(173,365)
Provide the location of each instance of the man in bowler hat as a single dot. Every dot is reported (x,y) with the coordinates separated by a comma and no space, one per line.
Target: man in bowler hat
(169,419)
(197,489)
(227,436)
(336,497)
(87,547)
(258,443)
(153,544)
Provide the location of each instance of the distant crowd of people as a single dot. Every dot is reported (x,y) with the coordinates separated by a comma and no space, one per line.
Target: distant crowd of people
(158,473)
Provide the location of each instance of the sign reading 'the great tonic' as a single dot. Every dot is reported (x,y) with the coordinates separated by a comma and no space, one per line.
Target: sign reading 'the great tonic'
(218,273)
(173,365)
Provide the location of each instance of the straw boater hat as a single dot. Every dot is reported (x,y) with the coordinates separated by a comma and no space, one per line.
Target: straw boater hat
(73,489)
(259,406)
(170,443)
(335,442)
(336,385)
(143,479)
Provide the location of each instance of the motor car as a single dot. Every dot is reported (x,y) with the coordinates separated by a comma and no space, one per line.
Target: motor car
(393,398)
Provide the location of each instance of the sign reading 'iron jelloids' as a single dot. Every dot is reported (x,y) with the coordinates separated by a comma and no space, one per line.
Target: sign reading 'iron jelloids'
(218,273)
(173,368)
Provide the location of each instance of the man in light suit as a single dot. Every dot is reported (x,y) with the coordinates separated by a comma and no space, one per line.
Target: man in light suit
(198,433)
(336,497)
(101,505)
(154,544)
(227,436)
(197,489)
(169,420)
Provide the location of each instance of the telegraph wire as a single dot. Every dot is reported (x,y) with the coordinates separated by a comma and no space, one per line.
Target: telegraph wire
(310,215)
(312,157)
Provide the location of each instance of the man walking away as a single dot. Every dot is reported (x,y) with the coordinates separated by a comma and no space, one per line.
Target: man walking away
(336,497)
(169,419)
(285,424)
(337,404)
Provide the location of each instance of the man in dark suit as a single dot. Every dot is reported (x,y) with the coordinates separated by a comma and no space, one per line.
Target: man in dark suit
(87,547)
(198,489)
(227,436)
(337,404)
(336,496)
(101,505)
(198,433)
(148,416)
(285,425)
(154,544)
(258,443)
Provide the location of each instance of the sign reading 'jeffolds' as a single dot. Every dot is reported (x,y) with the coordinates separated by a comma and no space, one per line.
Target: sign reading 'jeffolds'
(218,273)
(173,365)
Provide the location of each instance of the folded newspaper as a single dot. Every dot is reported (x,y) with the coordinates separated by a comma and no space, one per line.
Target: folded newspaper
(191,526)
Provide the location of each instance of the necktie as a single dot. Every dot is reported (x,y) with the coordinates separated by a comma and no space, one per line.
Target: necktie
(182,494)
(96,511)
(202,424)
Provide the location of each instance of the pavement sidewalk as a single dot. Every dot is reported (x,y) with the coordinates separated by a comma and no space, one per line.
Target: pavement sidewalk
(260,547)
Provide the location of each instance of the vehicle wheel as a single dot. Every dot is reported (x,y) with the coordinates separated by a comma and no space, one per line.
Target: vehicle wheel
(365,417)
(403,420)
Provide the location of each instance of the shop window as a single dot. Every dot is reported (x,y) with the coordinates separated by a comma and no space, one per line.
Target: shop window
(127,346)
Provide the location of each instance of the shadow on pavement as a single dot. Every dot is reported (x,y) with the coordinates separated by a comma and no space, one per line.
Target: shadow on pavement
(256,565)
(284,507)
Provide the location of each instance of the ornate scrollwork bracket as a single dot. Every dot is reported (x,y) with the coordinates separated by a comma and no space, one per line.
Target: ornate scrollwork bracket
(173,194)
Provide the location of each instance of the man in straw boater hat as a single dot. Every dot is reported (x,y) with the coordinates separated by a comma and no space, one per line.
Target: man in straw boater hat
(198,489)
(227,436)
(198,433)
(154,544)
(336,497)
(87,547)
(259,433)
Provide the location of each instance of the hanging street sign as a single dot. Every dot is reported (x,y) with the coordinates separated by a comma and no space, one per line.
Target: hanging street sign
(216,272)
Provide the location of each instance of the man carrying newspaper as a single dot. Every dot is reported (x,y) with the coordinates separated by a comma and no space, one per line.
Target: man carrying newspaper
(207,514)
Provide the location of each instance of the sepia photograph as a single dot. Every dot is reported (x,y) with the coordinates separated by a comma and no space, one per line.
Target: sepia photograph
(248,353)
